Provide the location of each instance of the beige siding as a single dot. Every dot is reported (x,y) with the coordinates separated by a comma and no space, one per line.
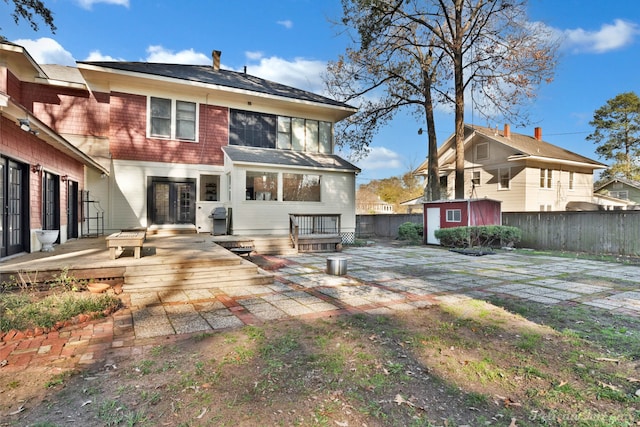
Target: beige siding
(272,217)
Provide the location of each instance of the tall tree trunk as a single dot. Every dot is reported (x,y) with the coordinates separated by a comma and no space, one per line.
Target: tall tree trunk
(432,191)
(459,108)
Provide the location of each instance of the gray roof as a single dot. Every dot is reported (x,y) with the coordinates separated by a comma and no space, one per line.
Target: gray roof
(269,156)
(207,74)
(527,146)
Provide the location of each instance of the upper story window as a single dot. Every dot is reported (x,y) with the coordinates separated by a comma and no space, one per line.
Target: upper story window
(571,180)
(172,119)
(251,129)
(475,178)
(504,182)
(546,178)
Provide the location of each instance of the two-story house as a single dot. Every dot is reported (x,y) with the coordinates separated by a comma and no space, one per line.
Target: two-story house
(624,192)
(163,145)
(524,172)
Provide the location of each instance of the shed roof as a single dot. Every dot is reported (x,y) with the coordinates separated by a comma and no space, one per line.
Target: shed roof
(289,158)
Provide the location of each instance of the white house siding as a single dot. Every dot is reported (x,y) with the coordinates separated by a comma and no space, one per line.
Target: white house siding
(126,194)
(272,217)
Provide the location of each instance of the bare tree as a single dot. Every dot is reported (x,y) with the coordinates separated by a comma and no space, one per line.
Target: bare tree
(419,53)
(26,9)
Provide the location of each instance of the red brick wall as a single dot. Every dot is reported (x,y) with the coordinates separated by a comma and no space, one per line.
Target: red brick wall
(128,140)
(29,149)
(67,110)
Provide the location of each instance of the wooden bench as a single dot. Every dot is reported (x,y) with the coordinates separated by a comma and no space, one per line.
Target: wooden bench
(125,239)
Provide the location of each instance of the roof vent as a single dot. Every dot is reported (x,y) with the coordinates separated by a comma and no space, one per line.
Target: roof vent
(216,59)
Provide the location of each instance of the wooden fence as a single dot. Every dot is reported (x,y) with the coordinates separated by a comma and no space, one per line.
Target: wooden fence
(383,225)
(597,232)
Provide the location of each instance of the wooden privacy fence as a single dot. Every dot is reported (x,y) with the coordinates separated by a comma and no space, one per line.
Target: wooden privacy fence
(383,225)
(598,232)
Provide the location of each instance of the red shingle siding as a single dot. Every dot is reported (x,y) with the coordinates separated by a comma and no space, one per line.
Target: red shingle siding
(13,86)
(66,110)
(128,140)
(29,149)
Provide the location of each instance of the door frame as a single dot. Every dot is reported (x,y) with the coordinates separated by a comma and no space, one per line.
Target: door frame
(173,199)
(14,214)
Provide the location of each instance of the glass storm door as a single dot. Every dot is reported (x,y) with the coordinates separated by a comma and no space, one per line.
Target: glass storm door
(173,202)
(13,203)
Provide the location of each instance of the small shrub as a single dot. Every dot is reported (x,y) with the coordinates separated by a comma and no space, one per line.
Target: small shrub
(484,236)
(411,232)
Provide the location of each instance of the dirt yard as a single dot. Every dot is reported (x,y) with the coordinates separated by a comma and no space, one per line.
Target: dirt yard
(467,363)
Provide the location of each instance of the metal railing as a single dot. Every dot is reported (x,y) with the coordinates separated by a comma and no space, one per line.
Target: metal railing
(308,225)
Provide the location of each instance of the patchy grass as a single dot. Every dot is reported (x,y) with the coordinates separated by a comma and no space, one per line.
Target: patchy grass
(466,363)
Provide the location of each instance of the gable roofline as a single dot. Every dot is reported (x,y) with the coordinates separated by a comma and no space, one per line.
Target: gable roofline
(27,59)
(223,80)
(14,111)
(527,147)
(630,183)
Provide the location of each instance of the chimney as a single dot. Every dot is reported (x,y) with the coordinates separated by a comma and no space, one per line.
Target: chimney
(537,133)
(216,59)
(507,131)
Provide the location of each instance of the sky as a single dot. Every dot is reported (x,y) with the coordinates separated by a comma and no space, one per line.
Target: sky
(291,41)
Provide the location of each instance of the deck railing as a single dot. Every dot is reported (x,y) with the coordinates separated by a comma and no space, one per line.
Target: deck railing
(308,225)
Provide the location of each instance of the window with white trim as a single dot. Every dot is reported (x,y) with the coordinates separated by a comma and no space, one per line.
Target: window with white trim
(300,187)
(571,180)
(546,178)
(624,194)
(454,215)
(475,178)
(504,178)
(172,119)
(261,186)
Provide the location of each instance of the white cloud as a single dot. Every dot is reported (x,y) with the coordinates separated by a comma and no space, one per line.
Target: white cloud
(187,56)
(96,55)
(253,55)
(88,4)
(380,158)
(300,73)
(286,23)
(610,37)
(47,51)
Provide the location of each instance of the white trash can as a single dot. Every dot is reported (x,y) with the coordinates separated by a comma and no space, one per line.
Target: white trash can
(337,265)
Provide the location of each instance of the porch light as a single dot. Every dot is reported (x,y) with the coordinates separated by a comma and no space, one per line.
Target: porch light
(64,178)
(26,126)
(36,168)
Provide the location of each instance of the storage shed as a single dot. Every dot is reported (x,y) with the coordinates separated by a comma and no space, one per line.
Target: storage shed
(459,213)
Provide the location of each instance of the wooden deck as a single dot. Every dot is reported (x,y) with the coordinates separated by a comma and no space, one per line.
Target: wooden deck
(189,261)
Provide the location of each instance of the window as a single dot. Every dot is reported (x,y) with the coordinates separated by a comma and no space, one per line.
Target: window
(475,179)
(482,151)
(172,119)
(504,179)
(300,188)
(546,178)
(571,180)
(454,215)
(261,186)
(210,188)
(252,129)
(624,195)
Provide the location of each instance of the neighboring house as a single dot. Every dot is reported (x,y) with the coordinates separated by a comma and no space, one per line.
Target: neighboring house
(524,172)
(163,145)
(625,192)
(367,203)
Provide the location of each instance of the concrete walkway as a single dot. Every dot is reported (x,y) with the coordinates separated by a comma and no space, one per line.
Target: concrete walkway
(381,279)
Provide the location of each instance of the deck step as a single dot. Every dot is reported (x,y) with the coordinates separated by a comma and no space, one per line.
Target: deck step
(258,278)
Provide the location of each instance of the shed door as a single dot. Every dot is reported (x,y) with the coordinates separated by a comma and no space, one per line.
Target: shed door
(433,224)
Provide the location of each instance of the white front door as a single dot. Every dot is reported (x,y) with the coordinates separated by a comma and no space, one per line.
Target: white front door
(433,224)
